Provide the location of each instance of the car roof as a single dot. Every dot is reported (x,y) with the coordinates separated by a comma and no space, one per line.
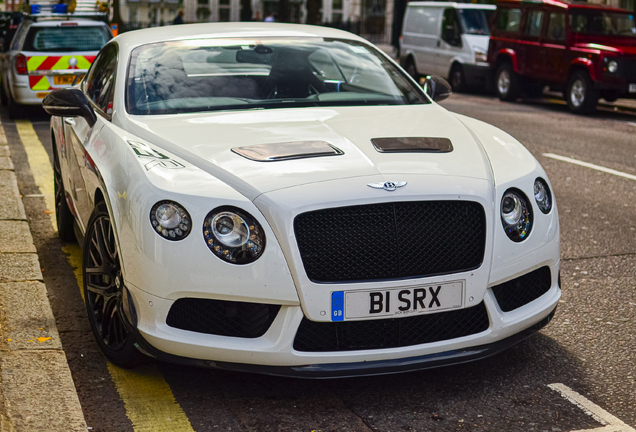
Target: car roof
(452,4)
(130,40)
(568,4)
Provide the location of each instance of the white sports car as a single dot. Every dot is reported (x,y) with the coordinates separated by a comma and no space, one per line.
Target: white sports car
(285,199)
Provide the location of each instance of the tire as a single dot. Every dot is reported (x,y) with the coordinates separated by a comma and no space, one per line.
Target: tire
(580,94)
(16,111)
(63,216)
(3,94)
(411,69)
(104,293)
(507,83)
(458,79)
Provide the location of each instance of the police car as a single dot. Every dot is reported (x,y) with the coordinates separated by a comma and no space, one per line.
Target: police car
(49,51)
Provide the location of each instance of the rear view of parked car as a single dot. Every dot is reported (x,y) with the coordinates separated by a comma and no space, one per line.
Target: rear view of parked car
(48,52)
(447,39)
(586,51)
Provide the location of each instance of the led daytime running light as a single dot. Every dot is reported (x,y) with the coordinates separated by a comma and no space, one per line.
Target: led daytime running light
(170,220)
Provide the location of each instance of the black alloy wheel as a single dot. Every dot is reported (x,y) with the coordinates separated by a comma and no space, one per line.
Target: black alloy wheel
(458,79)
(580,94)
(507,82)
(107,300)
(63,215)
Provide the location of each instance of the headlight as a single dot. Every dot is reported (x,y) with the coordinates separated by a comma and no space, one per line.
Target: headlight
(480,55)
(170,220)
(612,66)
(516,215)
(542,195)
(233,235)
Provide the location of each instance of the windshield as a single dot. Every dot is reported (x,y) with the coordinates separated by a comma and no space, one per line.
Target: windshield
(67,38)
(603,23)
(213,74)
(474,21)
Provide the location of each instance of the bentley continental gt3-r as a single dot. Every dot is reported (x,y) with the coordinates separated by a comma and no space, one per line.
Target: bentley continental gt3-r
(285,199)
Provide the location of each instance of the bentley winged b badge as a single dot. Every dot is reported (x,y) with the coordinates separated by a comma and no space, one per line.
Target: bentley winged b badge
(387,186)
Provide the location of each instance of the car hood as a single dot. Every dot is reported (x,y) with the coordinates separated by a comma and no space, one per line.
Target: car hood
(619,45)
(206,140)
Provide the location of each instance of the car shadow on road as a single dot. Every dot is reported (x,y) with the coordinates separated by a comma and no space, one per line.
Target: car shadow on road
(504,392)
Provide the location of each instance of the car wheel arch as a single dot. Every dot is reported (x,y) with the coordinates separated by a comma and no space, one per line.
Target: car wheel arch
(509,56)
(581,64)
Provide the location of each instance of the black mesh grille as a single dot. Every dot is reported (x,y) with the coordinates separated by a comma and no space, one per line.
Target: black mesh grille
(522,290)
(224,318)
(315,336)
(386,241)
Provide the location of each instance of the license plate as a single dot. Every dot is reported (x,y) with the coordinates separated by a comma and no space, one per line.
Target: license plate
(63,79)
(396,302)
(632,88)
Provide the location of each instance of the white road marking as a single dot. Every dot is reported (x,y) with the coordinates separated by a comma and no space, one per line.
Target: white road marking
(609,422)
(589,165)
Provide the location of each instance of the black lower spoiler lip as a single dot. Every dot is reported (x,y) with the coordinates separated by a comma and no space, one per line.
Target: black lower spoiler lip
(349,370)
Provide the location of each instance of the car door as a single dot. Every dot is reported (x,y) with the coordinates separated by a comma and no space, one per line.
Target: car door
(99,89)
(529,46)
(450,44)
(553,48)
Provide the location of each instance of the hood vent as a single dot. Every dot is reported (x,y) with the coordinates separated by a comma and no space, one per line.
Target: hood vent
(286,151)
(412,145)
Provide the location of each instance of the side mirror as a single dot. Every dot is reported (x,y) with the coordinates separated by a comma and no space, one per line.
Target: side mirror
(437,88)
(69,102)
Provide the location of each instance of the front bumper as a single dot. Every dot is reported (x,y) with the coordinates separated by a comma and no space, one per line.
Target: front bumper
(273,353)
(476,74)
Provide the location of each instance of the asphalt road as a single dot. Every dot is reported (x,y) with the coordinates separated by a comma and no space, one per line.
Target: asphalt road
(589,347)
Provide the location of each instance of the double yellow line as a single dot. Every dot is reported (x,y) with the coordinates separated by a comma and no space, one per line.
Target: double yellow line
(148,399)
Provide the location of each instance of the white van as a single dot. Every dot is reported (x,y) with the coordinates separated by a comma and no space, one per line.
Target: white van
(447,39)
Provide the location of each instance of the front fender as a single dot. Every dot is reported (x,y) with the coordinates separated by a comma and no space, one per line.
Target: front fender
(514,166)
(134,175)
(587,63)
(511,54)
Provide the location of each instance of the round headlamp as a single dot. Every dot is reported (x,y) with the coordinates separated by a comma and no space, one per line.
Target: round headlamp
(516,215)
(170,220)
(233,235)
(542,195)
(612,66)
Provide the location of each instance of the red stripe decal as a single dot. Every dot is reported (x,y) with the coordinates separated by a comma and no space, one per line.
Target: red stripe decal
(49,62)
(90,58)
(33,80)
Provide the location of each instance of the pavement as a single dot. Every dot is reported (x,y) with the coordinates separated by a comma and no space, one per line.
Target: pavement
(36,388)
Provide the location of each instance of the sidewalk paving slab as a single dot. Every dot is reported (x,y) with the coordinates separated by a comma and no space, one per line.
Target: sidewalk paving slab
(30,325)
(19,267)
(15,237)
(37,389)
(10,204)
(39,392)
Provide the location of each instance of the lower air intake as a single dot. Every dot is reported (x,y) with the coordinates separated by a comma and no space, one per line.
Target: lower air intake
(522,290)
(315,336)
(224,318)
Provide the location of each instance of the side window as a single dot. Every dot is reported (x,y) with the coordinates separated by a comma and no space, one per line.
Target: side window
(556,27)
(451,32)
(100,82)
(533,23)
(508,20)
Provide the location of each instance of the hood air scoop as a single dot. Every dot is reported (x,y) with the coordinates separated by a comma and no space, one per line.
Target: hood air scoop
(285,151)
(412,145)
